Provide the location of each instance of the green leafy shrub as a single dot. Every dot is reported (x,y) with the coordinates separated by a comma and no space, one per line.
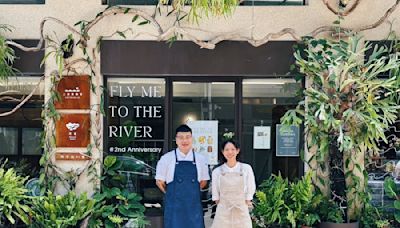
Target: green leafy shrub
(60,211)
(111,177)
(22,167)
(289,205)
(329,211)
(304,202)
(12,195)
(270,206)
(392,191)
(114,207)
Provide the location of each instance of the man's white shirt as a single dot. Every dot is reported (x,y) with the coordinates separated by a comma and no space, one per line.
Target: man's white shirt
(166,165)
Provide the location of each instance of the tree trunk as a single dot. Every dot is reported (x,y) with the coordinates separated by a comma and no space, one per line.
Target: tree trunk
(356,155)
(337,177)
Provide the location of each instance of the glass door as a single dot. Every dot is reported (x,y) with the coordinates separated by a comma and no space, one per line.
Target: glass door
(264,102)
(209,108)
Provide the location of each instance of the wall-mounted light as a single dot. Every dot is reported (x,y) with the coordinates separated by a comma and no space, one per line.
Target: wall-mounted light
(189,117)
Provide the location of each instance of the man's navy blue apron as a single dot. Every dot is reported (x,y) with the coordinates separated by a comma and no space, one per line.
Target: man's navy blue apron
(182,201)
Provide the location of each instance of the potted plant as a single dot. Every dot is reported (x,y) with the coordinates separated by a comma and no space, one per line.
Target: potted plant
(114,205)
(12,197)
(304,202)
(270,209)
(61,211)
(280,204)
(347,110)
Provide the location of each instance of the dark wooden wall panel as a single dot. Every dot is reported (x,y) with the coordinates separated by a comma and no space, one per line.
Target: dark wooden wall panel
(186,58)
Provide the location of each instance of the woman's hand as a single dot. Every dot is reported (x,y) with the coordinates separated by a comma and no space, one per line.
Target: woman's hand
(249,203)
(216,201)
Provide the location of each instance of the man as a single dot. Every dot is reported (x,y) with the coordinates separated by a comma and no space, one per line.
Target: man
(181,174)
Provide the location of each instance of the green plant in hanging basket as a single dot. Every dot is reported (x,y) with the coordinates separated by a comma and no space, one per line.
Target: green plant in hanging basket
(348,107)
(199,8)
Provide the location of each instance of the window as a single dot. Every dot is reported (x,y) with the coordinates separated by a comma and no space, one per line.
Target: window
(22,1)
(265,101)
(9,140)
(135,112)
(245,2)
(20,132)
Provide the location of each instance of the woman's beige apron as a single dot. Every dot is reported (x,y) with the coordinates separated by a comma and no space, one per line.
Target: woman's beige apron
(232,210)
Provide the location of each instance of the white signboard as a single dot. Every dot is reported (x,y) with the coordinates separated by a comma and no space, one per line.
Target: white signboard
(262,137)
(205,139)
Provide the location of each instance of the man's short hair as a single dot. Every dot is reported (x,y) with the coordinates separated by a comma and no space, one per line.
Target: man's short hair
(183,128)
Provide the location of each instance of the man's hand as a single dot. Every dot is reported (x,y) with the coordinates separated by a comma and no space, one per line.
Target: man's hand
(161,185)
(203,184)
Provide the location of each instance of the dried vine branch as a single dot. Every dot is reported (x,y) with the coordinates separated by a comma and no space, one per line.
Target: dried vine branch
(210,44)
(23,101)
(382,19)
(40,43)
(121,10)
(9,92)
(9,98)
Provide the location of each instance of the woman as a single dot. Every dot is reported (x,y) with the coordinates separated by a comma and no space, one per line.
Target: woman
(233,187)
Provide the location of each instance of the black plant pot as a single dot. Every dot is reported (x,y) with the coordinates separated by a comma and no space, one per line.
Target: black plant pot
(339,225)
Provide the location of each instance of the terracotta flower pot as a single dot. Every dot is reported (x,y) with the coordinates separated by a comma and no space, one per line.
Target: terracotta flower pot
(339,225)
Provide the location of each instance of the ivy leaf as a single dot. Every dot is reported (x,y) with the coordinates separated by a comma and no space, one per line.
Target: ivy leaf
(390,187)
(397,204)
(135,18)
(121,34)
(110,161)
(107,210)
(144,22)
(397,216)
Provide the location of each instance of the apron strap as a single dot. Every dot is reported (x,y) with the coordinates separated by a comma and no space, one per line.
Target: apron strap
(176,157)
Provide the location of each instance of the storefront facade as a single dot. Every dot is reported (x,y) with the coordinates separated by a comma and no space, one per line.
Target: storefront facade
(151,88)
(150,97)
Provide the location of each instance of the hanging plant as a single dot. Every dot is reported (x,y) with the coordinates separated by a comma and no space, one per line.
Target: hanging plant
(7,56)
(199,8)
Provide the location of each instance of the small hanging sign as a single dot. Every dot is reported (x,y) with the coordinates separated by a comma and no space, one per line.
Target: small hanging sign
(72,157)
(74,92)
(73,130)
